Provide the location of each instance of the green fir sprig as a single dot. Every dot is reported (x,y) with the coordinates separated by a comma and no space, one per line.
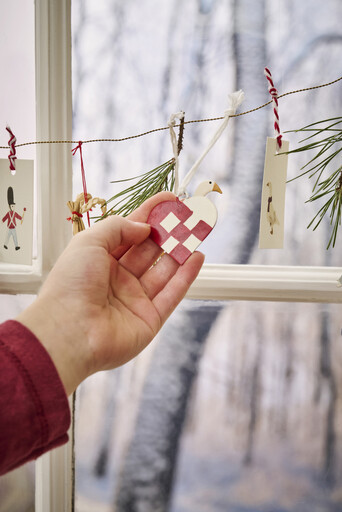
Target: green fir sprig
(150,183)
(325,138)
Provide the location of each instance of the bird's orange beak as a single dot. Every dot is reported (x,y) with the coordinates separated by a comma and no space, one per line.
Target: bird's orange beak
(216,188)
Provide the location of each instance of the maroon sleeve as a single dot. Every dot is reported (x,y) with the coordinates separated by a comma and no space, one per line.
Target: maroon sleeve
(34,409)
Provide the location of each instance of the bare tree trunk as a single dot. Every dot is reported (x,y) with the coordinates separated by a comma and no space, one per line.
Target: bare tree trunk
(255,389)
(145,483)
(327,380)
(114,47)
(327,383)
(241,224)
(148,470)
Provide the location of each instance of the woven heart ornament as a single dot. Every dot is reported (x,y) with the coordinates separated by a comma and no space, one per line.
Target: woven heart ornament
(179,227)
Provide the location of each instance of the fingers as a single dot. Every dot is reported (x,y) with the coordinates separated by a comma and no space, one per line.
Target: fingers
(138,259)
(141,215)
(175,288)
(113,233)
(156,277)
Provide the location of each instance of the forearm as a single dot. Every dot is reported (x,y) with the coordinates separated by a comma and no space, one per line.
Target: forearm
(35,413)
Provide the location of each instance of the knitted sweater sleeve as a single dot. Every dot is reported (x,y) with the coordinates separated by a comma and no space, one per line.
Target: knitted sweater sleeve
(34,409)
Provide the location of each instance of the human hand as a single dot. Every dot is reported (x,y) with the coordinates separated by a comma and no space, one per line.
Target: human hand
(104,300)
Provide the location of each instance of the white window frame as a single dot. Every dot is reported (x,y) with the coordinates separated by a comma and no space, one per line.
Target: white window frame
(54,489)
(54,122)
(273,283)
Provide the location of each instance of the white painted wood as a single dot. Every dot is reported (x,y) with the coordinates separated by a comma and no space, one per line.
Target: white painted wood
(54,122)
(54,491)
(275,283)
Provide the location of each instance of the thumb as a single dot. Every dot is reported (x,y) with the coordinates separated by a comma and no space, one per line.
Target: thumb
(113,232)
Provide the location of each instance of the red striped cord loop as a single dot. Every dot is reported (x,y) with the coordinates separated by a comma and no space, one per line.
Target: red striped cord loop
(12,156)
(274,94)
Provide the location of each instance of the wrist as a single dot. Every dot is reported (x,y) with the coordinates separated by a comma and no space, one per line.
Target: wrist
(47,322)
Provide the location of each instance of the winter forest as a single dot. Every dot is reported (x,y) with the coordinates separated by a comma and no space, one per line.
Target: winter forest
(235,406)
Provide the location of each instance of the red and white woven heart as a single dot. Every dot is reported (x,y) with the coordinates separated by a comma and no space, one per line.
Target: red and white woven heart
(179,227)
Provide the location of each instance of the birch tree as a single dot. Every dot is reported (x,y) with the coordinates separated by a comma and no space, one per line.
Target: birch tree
(149,467)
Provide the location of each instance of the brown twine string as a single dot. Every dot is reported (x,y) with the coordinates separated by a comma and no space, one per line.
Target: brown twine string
(167,128)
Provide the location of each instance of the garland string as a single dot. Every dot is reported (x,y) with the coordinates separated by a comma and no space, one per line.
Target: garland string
(167,127)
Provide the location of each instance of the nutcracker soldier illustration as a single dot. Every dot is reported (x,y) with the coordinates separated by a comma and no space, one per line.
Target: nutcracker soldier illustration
(11,217)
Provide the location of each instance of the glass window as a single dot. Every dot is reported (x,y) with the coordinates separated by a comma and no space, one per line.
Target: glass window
(234,407)
(129,76)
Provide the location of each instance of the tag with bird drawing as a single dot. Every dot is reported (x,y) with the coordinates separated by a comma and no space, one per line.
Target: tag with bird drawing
(271,234)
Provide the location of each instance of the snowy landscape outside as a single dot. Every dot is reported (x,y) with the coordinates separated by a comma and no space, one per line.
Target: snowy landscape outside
(234,406)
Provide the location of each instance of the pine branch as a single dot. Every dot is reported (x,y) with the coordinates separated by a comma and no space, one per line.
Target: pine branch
(328,189)
(150,183)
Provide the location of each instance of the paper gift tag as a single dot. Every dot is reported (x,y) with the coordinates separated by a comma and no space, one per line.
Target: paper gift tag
(16,212)
(178,227)
(271,234)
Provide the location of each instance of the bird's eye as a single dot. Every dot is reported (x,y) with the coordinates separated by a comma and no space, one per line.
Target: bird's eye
(210,182)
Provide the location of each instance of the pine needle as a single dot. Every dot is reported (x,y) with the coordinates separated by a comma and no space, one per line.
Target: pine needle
(329,189)
(145,186)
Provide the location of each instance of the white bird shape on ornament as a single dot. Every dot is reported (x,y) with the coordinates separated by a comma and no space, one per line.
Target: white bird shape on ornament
(271,213)
(202,207)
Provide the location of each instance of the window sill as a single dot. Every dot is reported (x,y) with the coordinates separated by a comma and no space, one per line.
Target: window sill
(274,283)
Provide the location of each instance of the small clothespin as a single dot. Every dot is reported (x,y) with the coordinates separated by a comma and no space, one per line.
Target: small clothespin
(177,144)
(12,156)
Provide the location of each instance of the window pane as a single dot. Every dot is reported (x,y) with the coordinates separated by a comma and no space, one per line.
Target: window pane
(17,92)
(236,406)
(129,76)
(18,62)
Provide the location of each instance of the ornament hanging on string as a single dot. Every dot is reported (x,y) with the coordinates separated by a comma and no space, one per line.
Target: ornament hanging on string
(79,207)
(16,203)
(179,226)
(84,202)
(272,214)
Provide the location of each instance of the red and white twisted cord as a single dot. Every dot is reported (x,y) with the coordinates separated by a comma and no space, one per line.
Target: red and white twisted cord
(12,156)
(274,94)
